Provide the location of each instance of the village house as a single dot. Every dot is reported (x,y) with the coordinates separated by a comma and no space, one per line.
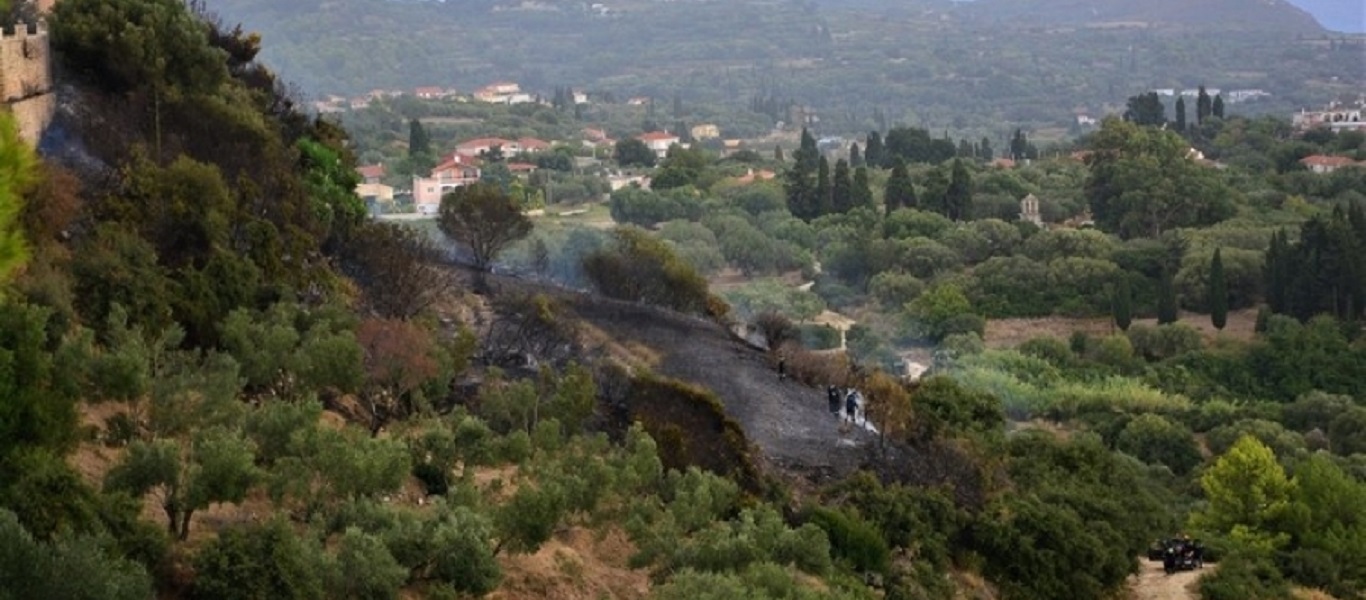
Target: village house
(503,93)
(596,138)
(455,170)
(432,92)
(705,131)
(371,173)
(659,141)
(1323,164)
(1337,116)
(479,146)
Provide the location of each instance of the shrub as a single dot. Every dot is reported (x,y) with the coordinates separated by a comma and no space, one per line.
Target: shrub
(1242,577)
(1154,439)
(1051,349)
(367,571)
(893,290)
(266,561)
(852,539)
(75,568)
(640,267)
(461,554)
(1164,341)
(432,477)
(819,337)
(1274,435)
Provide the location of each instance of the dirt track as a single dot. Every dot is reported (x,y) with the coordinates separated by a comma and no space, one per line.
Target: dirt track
(1151,583)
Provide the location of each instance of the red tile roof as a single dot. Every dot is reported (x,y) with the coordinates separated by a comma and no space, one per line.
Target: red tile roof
(1327,161)
(657,136)
(528,143)
(371,171)
(483,142)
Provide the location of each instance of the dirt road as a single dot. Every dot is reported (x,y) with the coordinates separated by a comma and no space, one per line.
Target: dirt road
(1152,584)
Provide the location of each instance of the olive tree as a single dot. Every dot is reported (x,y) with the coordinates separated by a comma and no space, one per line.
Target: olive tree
(485,219)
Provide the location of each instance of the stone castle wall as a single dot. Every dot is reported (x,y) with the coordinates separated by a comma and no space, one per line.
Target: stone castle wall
(26,79)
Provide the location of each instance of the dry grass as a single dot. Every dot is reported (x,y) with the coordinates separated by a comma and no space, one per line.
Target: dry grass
(1008,333)
(577,564)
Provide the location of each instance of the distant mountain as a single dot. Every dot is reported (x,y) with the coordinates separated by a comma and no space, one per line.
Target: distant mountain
(1246,15)
(1337,15)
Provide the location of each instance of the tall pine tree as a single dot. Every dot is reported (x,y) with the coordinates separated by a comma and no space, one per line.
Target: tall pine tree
(1217,108)
(900,192)
(861,194)
(1203,106)
(1277,274)
(1166,298)
(1121,303)
(1218,292)
(1181,113)
(803,199)
(842,188)
(874,153)
(984,150)
(824,201)
(855,157)
(418,140)
(958,198)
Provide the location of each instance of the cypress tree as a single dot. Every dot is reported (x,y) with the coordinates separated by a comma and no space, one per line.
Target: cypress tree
(958,198)
(824,201)
(1166,298)
(966,149)
(1218,292)
(1121,303)
(1181,113)
(1019,146)
(873,153)
(803,193)
(1203,106)
(419,143)
(861,195)
(1276,274)
(855,157)
(900,192)
(984,150)
(778,153)
(841,188)
(1217,109)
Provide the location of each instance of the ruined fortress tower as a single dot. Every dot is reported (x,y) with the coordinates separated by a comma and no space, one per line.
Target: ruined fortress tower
(26,76)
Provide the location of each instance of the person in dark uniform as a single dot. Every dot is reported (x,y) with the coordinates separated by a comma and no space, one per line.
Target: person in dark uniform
(851,404)
(782,367)
(832,395)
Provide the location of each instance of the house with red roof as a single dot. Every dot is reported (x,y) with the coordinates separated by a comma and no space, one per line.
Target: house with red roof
(371,173)
(532,145)
(1323,164)
(454,171)
(479,146)
(659,141)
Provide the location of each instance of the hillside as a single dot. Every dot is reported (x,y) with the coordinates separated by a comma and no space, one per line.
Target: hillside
(976,69)
(1206,15)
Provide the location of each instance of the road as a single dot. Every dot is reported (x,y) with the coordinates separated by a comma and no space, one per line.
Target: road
(1153,584)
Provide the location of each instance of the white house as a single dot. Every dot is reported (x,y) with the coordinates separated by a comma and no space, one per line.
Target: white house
(659,141)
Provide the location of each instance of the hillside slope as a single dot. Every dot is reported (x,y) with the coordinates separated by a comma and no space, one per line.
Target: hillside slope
(1253,15)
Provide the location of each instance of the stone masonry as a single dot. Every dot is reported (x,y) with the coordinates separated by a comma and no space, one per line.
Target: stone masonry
(26,79)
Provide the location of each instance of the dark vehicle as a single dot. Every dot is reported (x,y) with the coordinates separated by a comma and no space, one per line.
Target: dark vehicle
(1178,554)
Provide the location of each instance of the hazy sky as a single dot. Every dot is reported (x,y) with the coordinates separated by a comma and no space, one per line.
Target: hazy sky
(1337,15)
